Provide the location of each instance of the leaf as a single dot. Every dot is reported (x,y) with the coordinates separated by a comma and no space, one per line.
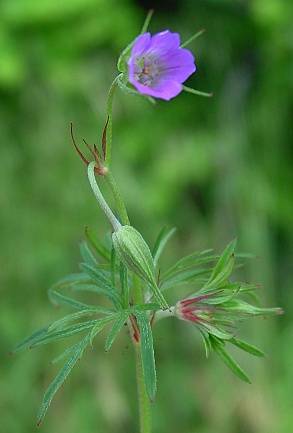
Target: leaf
(162,239)
(206,342)
(103,281)
(72,279)
(87,254)
(101,323)
(112,295)
(61,377)
(144,307)
(247,347)
(64,333)
(223,268)
(116,328)
(124,285)
(215,331)
(113,266)
(147,354)
(242,307)
(75,316)
(28,341)
(100,276)
(183,276)
(98,247)
(59,299)
(191,260)
(65,353)
(218,347)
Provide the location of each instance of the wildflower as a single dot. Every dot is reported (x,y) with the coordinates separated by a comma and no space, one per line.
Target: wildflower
(158,65)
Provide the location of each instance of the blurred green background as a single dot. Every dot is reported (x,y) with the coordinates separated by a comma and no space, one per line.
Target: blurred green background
(215,168)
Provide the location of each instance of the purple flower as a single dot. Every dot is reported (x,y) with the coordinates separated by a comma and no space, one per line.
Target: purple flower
(158,66)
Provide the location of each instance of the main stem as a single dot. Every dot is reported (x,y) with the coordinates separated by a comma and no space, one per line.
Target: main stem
(145,417)
(144,405)
(143,399)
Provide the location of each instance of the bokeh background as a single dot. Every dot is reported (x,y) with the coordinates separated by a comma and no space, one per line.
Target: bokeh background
(215,168)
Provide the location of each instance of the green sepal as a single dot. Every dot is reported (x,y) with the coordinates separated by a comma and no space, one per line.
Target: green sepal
(122,81)
(122,61)
(134,252)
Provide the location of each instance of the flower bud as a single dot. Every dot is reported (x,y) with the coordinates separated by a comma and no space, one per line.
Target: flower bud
(133,251)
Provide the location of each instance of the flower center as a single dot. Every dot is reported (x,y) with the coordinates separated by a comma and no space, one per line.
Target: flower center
(147,71)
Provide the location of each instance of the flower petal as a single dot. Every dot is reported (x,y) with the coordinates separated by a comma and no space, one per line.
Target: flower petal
(177,64)
(164,41)
(141,44)
(166,89)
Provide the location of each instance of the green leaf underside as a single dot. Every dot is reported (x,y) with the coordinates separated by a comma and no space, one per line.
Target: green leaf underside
(147,354)
(116,328)
(61,377)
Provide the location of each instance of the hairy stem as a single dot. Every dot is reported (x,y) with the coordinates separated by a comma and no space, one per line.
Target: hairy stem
(102,202)
(144,404)
(145,421)
(121,209)
(109,114)
(143,399)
